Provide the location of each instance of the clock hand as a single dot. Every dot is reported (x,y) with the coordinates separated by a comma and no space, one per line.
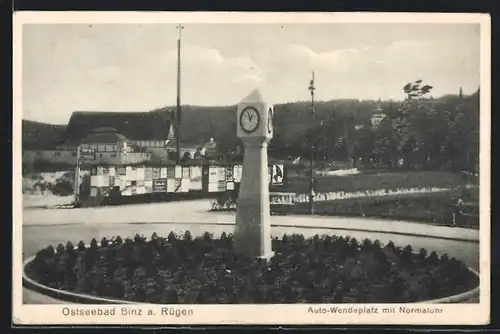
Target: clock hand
(250,117)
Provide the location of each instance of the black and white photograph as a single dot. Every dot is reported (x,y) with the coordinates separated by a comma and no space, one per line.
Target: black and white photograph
(251,168)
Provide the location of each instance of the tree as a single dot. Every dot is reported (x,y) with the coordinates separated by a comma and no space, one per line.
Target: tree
(186,157)
(363,145)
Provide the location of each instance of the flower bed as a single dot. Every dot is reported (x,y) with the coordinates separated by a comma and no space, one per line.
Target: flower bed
(204,270)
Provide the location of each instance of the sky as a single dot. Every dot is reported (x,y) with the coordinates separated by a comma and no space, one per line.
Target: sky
(132,67)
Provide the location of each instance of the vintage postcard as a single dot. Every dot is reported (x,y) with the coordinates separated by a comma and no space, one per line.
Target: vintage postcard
(251,168)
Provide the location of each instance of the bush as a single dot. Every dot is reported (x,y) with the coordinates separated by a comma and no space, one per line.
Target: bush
(322,269)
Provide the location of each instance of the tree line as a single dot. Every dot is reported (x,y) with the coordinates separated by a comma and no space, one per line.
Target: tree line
(418,132)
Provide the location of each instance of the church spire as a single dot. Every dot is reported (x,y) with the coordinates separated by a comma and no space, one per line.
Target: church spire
(171,130)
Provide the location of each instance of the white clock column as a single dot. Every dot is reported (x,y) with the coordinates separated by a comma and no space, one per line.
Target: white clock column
(252,235)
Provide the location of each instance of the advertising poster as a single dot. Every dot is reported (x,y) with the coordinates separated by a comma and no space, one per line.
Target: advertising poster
(185,185)
(178,172)
(121,171)
(93,180)
(163,173)
(185,172)
(221,174)
(277,175)
(229,174)
(131,173)
(148,173)
(212,174)
(213,187)
(178,183)
(148,184)
(195,178)
(221,186)
(238,170)
(111,181)
(159,186)
(171,172)
(156,173)
(170,185)
(141,173)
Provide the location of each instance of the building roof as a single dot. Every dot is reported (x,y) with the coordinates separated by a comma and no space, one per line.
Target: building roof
(152,125)
(104,136)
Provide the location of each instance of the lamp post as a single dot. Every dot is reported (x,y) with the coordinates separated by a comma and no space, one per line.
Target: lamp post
(311,158)
(178,109)
(76,190)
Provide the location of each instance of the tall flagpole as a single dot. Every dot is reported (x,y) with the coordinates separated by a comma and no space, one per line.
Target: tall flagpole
(178,112)
(76,189)
(312,88)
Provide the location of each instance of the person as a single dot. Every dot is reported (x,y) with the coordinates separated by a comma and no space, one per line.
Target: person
(457,211)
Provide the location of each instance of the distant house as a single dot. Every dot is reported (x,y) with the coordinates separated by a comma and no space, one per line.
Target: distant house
(378,115)
(145,129)
(121,138)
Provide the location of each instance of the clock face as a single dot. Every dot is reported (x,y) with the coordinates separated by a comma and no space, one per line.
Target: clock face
(249,119)
(270,121)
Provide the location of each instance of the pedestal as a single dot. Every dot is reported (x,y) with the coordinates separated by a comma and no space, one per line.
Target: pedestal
(252,235)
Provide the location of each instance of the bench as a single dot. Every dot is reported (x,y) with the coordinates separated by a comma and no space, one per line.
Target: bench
(281,203)
(467,214)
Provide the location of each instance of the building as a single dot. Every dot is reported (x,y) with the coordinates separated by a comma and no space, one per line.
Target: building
(119,138)
(116,137)
(378,115)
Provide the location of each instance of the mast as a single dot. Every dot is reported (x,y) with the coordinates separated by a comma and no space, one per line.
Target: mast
(178,111)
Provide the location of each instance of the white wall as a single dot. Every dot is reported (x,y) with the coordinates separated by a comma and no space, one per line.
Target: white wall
(69,157)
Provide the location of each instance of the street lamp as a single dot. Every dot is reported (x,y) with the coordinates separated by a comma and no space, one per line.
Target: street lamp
(311,158)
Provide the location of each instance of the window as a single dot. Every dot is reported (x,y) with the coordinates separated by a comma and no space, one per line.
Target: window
(73,154)
(57,154)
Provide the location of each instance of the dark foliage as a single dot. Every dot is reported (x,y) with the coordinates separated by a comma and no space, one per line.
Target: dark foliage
(431,208)
(204,270)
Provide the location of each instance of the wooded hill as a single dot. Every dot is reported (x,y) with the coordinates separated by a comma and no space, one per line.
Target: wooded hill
(436,128)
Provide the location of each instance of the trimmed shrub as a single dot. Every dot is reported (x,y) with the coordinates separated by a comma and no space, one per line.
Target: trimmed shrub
(322,269)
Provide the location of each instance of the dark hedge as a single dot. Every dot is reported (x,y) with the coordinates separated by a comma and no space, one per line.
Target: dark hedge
(203,270)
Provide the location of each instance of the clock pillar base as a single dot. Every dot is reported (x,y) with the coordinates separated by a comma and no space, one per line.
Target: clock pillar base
(252,234)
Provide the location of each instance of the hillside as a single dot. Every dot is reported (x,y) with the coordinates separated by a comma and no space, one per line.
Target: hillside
(37,135)
(292,122)
(200,123)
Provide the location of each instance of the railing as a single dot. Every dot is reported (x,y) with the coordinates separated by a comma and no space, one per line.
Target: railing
(280,202)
